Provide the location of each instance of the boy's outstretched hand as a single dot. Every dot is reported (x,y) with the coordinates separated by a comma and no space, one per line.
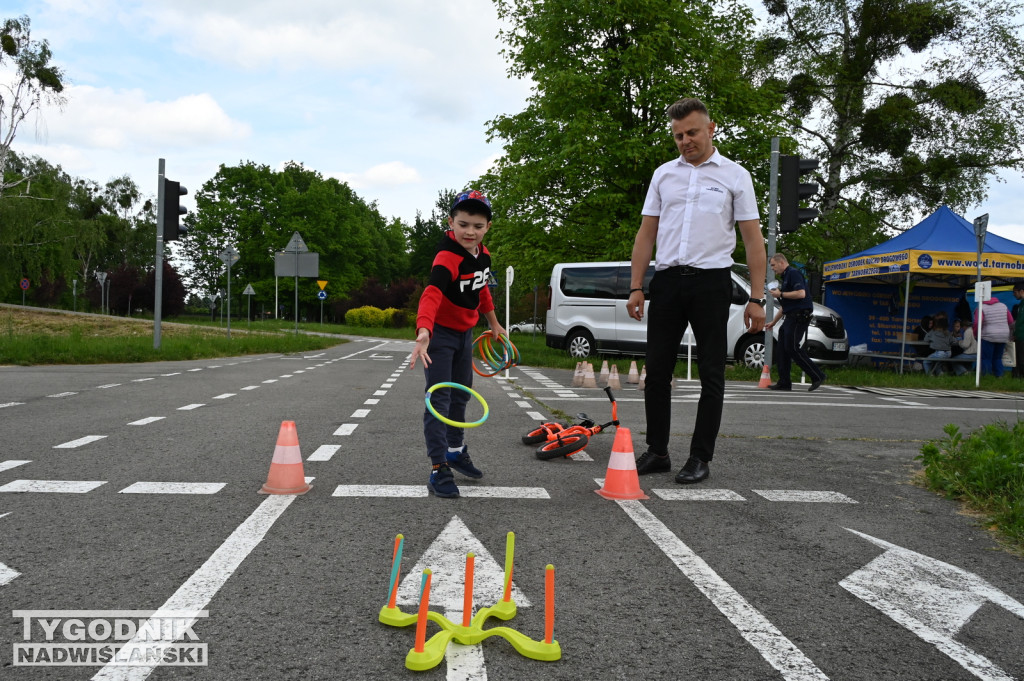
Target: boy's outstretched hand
(420,351)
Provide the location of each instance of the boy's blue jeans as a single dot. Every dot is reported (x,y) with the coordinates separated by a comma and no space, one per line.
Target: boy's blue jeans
(451,361)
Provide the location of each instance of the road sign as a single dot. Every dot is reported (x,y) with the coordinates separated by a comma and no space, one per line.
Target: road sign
(321,283)
(296,245)
(322,295)
(229,256)
(23,284)
(296,264)
(248,291)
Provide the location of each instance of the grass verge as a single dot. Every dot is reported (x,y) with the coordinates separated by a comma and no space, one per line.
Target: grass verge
(985,470)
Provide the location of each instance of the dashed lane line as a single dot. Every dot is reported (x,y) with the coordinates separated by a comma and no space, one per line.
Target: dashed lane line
(13,463)
(11,404)
(346,429)
(79,442)
(190,407)
(324,453)
(224,396)
(174,488)
(53,486)
(416,491)
(147,420)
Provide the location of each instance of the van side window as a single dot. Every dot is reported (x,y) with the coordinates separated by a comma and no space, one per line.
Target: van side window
(589,282)
(625,275)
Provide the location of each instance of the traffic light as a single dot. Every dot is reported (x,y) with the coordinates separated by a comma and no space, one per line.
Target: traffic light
(173,191)
(792,191)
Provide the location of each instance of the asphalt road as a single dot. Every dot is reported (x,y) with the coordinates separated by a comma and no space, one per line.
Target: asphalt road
(808,554)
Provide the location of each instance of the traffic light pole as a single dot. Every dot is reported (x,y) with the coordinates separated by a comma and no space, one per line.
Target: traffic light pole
(773,193)
(158,279)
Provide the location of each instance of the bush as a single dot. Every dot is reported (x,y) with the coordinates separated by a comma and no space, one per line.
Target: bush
(370,317)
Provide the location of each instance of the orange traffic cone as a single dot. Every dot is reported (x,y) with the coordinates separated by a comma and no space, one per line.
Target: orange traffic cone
(588,376)
(286,476)
(577,376)
(621,480)
(766,377)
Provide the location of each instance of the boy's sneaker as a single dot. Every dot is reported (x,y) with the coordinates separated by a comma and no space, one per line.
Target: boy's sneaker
(461,462)
(442,482)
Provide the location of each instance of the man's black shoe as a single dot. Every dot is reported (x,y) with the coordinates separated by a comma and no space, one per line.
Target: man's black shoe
(695,470)
(777,386)
(816,384)
(649,462)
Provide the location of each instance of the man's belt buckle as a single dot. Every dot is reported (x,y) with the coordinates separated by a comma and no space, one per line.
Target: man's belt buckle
(687,270)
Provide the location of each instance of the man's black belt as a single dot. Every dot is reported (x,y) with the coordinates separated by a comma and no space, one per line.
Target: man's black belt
(688,270)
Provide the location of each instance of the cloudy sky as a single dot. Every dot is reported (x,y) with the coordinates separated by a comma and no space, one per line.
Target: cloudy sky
(391,96)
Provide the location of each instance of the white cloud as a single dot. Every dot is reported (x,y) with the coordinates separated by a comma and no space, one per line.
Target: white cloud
(384,175)
(102,118)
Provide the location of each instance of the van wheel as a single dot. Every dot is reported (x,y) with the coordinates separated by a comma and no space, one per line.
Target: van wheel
(750,351)
(580,343)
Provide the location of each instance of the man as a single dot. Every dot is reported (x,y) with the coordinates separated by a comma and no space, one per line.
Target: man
(690,212)
(1018,331)
(797,307)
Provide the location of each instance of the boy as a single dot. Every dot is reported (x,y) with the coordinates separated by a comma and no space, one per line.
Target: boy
(455,296)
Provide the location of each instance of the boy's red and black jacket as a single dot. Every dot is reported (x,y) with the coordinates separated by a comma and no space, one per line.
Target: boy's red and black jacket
(457,292)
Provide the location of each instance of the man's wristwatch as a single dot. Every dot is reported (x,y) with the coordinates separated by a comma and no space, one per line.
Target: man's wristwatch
(759,301)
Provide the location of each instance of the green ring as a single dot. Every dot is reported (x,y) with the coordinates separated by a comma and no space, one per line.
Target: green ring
(447,421)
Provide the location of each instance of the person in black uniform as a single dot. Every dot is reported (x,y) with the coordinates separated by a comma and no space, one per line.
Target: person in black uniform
(796,306)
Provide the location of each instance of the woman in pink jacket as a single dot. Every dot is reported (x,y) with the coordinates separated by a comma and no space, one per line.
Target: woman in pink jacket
(996,331)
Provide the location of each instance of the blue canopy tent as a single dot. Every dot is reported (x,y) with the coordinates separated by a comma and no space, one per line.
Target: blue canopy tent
(941,251)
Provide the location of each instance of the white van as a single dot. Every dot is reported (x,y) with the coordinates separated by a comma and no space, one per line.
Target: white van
(587,315)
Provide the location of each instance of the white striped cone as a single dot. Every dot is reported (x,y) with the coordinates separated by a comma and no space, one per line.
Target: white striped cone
(577,376)
(286,475)
(603,376)
(621,480)
(588,377)
(613,379)
(642,383)
(634,375)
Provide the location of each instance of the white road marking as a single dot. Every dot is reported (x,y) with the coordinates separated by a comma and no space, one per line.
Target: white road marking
(224,396)
(7,575)
(173,373)
(250,387)
(285,376)
(10,404)
(346,429)
(13,463)
(55,486)
(414,491)
(146,421)
(190,407)
(698,494)
(932,599)
(141,380)
(195,594)
(108,385)
(174,488)
(62,395)
(523,403)
(360,413)
(387,386)
(371,401)
(199,369)
(299,371)
(380,393)
(581,456)
(806,496)
(324,453)
(775,648)
(536,415)
(270,380)
(79,442)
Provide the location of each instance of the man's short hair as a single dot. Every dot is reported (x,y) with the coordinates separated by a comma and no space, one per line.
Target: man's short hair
(686,106)
(1018,286)
(779,256)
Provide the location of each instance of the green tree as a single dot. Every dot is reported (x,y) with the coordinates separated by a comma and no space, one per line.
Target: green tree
(910,104)
(579,158)
(424,234)
(37,81)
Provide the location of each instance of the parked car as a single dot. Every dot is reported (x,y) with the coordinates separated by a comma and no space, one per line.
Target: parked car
(526,327)
(587,314)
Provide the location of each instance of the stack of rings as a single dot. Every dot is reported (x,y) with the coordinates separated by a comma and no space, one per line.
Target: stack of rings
(490,358)
(447,421)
